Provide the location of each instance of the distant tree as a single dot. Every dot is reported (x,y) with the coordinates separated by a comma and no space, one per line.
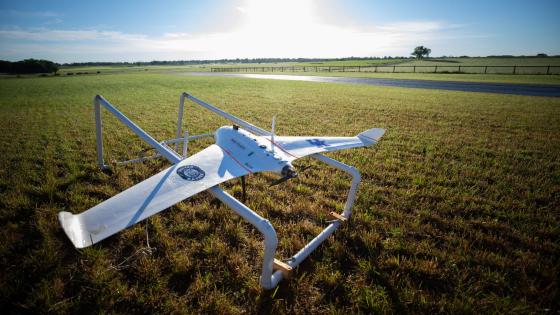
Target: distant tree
(28,66)
(542,55)
(5,66)
(421,51)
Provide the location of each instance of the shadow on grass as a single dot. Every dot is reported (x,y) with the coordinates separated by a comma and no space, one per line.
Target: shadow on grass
(342,259)
(179,282)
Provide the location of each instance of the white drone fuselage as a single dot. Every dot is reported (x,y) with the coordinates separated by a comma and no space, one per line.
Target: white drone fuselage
(236,152)
(253,153)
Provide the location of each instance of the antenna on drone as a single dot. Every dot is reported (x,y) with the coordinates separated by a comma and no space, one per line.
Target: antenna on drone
(272,132)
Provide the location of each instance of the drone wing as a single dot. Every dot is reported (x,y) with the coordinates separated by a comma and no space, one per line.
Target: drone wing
(197,173)
(303,146)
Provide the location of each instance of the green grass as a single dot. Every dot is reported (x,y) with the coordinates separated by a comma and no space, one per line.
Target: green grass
(447,71)
(362,62)
(458,210)
(488,61)
(206,67)
(130,69)
(493,78)
(524,76)
(523,66)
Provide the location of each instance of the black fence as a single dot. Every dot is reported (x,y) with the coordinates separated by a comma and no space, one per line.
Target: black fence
(548,69)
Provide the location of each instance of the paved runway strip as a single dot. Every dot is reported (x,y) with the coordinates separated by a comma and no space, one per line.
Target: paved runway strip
(502,88)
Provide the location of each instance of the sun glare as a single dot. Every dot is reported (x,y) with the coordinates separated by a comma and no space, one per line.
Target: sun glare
(278,28)
(289,29)
(293,28)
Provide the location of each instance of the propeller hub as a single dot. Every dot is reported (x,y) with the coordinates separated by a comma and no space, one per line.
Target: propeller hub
(288,171)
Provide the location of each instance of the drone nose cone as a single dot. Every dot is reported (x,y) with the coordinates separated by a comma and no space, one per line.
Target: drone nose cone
(223,128)
(222,133)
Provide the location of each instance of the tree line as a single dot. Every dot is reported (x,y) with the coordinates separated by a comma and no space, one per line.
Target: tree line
(28,66)
(420,53)
(224,61)
(45,66)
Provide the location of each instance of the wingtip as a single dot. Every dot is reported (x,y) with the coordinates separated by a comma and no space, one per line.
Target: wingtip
(71,225)
(373,135)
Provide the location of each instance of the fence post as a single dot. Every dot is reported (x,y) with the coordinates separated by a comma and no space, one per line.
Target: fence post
(514,69)
(359,68)
(485,69)
(375,68)
(435,69)
(459,69)
(548,70)
(414,69)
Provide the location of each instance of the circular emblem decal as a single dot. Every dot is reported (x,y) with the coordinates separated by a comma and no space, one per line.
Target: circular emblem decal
(191,172)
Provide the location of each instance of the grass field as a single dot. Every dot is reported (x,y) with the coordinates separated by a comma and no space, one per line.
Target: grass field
(488,61)
(446,65)
(526,76)
(206,67)
(448,69)
(130,69)
(487,65)
(458,210)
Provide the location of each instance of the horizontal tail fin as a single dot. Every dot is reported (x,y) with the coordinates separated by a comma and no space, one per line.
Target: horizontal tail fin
(371,136)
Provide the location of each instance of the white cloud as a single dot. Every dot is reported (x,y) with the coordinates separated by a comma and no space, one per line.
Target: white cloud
(286,33)
(50,35)
(42,14)
(414,26)
(53,21)
(313,41)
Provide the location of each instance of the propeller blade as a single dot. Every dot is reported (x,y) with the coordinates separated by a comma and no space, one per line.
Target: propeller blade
(288,171)
(272,132)
(280,180)
(305,168)
(243,189)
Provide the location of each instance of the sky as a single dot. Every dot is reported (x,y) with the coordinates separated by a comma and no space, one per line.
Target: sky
(126,30)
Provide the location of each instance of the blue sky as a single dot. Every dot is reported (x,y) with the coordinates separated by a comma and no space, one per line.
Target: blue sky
(125,30)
